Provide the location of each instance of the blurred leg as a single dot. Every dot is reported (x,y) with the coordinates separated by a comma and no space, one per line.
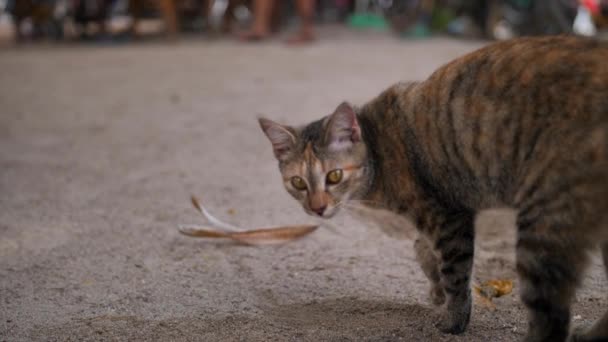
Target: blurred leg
(262,12)
(276,17)
(228,17)
(18,32)
(104,10)
(306,11)
(135,11)
(19,11)
(168,9)
(206,7)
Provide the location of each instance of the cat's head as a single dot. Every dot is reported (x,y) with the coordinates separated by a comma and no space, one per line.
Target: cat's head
(324,163)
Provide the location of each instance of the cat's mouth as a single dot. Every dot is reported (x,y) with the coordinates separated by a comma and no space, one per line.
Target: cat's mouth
(326,214)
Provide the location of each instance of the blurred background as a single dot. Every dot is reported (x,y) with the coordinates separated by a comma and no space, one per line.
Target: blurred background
(119,21)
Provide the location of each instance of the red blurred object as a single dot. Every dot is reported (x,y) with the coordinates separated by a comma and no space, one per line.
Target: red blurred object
(592,5)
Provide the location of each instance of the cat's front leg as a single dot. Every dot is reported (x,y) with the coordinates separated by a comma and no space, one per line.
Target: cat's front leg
(453,238)
(429,263)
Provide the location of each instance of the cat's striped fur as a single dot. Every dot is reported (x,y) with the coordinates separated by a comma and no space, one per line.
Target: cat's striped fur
(522,124)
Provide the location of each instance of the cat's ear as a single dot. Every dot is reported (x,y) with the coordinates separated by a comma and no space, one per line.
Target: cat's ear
(343,129)
(282,137)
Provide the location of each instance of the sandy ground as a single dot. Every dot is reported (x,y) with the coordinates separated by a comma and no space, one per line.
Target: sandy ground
(100,148)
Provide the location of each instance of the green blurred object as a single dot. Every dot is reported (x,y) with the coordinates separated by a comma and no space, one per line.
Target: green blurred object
(367,20)
(428,23)
(419,30)
(441,17)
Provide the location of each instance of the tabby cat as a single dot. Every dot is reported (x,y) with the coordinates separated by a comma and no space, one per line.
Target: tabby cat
(520,124)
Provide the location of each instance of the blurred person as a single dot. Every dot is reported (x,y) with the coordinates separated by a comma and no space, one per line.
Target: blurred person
(229,16)
(262,19)
(345,8)
(91,11)
(41,14)
(170,11)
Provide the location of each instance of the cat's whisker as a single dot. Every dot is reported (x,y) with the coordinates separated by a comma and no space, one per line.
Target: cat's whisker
(352,208)
(334,228)
(357,206)
(369,204)
(389,222)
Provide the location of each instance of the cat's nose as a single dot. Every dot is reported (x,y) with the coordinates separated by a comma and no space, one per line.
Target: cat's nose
(319,210)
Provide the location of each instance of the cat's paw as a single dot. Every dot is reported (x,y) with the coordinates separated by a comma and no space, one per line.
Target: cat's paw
(452,325)
(454,321)
(586,334)
(437,295)
(546,333)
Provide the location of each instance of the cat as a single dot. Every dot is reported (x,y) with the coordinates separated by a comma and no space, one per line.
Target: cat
(520,124)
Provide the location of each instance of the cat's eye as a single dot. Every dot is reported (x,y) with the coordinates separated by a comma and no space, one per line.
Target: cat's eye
(298,183)
(334,177)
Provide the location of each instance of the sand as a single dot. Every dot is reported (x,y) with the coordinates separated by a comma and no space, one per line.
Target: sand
(100,148)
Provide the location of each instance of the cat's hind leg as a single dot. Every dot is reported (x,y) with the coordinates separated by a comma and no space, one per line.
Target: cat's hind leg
(429,262)
(599,330)
(550,262)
